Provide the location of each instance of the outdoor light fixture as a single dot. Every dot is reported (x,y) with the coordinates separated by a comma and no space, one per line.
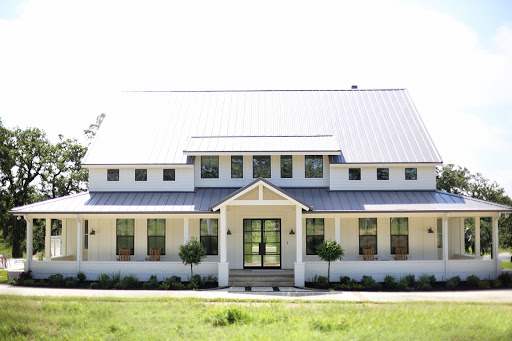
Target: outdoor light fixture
(229,232)
(430,230)
(291,231)
(92,233)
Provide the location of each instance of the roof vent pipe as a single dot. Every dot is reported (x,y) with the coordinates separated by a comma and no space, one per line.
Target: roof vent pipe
(354,87)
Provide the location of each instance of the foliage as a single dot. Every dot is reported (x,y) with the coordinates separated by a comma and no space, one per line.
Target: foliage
(329,251)
(390,282)
(81,276)
(485,284)
(320,282)
(453,282)
(152,283)
(94,285)
(173,279)
(370,284)
(425,282)
(344,279)
(192,253)
(130,282)
(411,280)
(23,276)
(506,279)
(56,281)
(104,281)
(472,281)
(71,282)
(402,284)
(506,265)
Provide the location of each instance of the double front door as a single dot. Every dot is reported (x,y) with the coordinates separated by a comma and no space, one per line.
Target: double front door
(262,243)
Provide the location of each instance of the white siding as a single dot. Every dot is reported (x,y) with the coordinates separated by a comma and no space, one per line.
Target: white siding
(339,179)
(299,178)
(98,180)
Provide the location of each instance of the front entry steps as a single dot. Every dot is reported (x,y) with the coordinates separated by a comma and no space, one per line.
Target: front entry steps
(261,278)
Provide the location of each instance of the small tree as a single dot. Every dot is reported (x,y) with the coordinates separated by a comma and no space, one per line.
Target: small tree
(330,251)
(192,252)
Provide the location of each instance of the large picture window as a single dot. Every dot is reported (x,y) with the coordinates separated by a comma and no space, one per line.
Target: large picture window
(237,167)
(399,234)
(367,234)
(314,166)
(261,166)
(156,235)
(209,167)
(125,231)
(209,235)
(286,166)
(314,234)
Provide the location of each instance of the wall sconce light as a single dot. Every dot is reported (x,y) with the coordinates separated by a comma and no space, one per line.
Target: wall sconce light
(92,233)
(430,230)
(229,232)
(291,231)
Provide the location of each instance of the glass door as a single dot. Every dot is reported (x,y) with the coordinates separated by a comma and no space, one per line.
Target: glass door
(262,243)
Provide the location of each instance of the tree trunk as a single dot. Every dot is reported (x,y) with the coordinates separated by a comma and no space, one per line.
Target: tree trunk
(191,273)
(329,272)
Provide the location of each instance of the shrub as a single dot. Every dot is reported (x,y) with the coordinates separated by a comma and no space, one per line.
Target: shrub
(320,282)
(115,278)
(497,283)
(28,282)
(177,286)
(472,281)
(411,281)
(81,276)
(329,251)
(104,281)
(506,278)
(173,279)
(71,282)
(210,281)
(196,279)
(402,284)
(453,282)
(118,286)
(228,316)
(56,281)
(354,283)
(390,282)
(192,285)
(425,279)
(344,280)
(94,285)
(485,284)
(192,253)
(151,284)
(23,276)
(369,283)
(425,287)
(164,286)
(130,282)
(42,283)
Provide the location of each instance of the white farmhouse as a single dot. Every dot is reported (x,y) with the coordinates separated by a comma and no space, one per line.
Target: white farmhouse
(261,178)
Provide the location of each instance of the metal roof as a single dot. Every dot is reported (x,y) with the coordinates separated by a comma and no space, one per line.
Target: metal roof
(321,199)
(326,145)
(369,126)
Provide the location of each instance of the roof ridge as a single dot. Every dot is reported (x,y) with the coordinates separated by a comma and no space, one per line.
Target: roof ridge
(269,90)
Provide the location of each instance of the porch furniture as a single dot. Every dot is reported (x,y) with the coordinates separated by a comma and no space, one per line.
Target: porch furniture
(368,254)
(401,253)
(154,255)
(124,255)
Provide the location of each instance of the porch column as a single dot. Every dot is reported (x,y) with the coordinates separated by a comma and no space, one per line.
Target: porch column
(477,237)
(48,240)
(495,252)
(300,267)
(79,246)
(337,234)
(29,242)
(445,243)
(64,242)
(186,230)
(223,265)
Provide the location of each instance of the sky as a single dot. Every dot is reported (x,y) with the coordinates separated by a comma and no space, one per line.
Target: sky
(62,62)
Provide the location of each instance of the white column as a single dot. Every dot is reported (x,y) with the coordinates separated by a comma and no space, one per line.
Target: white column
(477,237)
(298,235)
(186,230)
(495,244)
(64,242)
(445,243)
(223,236)
(29,242)
(79,242)
(48,240)
(337,233)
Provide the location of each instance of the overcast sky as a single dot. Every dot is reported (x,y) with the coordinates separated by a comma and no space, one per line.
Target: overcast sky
(62,63)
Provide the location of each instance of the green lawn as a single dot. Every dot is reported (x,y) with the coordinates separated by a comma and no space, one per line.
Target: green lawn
(506,265)
(3,276)
(195,319)
(3,247)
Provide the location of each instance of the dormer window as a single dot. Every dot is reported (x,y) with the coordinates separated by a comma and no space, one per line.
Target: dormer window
(141,175)
(112,174)
(314,166)
(411,174)
(169,175)
(382,173)
(286,166)
(354,173)
(209,167)
(261,166)
(237,167)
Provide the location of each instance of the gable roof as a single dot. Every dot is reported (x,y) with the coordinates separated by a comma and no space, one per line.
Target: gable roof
(368,126)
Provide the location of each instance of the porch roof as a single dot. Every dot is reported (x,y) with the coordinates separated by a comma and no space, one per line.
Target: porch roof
(321,200)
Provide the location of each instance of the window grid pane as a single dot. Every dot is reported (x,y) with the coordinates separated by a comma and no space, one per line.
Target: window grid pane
(367,234)
(209,167)
(169,175)
(354,173)
(314,234)
(411,174)
(314,166)
(382,173)
(112,174)
(399,234)
(209,232)
(261,166)
(141,175)
(237,167)
(286,166)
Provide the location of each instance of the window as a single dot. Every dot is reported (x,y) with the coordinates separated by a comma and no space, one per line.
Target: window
(314,166)
(286,166)
(439,233)
(141,175)
(354,173)
(209,167)
(112,174)
(209,235)
(314,234)
(125,231)
(399,234)
(156,235)
(411,174)
(237,167)
(367,234)
(382,173)
(169,175)
(261,166)
(86,234)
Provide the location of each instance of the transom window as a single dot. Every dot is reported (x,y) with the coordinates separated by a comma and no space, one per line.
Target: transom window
(209,167)
(367,234)
(209,235)
(399,234)
(314,166)
(286,166)
(314,234)
(141,175)
(169,175)
(156,235)
(411,174)
(125,231)
(261,166)
(237,167)
(354,173)
(112,174)
(382,173)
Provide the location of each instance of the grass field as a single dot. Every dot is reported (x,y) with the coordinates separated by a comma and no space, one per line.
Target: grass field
(3,276)
(506,265)
(194,319)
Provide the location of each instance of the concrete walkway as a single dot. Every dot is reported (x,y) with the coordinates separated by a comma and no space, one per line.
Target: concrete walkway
(479,296)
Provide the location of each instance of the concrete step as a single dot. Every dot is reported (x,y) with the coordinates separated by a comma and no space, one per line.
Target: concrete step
(261,278)
(261,284)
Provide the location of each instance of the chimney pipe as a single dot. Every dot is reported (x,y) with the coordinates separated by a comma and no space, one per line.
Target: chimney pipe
(354,87)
